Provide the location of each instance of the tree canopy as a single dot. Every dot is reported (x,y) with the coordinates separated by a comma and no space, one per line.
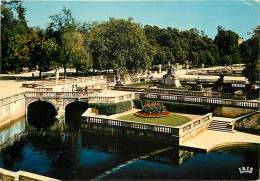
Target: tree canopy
(118,44)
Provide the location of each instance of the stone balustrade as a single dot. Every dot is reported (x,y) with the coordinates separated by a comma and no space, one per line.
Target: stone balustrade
(57,94)
(194,127)
(129,124)
(206,100)
(8,100)
(182,133)
(176,92)
(7,175)
(111,99)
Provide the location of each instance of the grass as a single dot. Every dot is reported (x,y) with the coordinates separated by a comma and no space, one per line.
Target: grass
(173,120)
(144,84)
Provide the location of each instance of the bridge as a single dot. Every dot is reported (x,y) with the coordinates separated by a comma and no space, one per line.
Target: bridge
(58,99)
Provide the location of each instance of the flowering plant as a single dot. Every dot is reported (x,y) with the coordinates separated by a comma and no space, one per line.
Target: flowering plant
(153,108)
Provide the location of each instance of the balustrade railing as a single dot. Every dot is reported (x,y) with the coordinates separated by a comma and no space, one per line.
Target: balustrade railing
(176,92)
(206,100)
(130,124)
(176,131)
(11,98)
(57,94)
(194,124)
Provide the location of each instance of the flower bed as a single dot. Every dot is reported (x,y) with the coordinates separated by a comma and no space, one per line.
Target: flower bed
(153,108)
(153,115)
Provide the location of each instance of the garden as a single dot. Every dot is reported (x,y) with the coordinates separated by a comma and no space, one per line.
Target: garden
(156,113)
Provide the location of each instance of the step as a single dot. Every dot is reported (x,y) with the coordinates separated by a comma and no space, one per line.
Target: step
(220,128)
(218,124)
(223,130)
(221,121)
(217,127)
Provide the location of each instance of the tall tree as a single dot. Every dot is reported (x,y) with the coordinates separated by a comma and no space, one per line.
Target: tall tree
(61,24)
(250,56)
(51,56)
(12,29)
(75,51)
(122,45)
(227,42)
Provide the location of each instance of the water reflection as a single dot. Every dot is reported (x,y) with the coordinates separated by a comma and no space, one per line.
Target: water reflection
(84,154)
(8,133)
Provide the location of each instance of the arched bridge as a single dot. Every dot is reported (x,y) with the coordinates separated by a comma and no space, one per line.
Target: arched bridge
(58,99)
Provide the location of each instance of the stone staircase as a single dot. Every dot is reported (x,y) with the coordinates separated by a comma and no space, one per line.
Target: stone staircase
(221,124)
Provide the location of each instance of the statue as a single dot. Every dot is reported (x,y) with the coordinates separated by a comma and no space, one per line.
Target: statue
(118,80)
(171,78)
(199,84)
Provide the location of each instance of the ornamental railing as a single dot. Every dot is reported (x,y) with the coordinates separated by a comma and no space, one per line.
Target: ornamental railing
(176,92)
(57,94)
(12,98)
(178,131)
(130,124)
(206,100)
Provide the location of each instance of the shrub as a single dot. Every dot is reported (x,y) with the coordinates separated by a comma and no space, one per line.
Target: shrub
(112,108)
(179,107)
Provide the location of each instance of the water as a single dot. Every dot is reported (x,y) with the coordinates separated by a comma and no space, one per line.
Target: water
(67,153)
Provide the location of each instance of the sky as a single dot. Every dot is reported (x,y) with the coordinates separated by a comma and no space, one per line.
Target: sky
(240,16)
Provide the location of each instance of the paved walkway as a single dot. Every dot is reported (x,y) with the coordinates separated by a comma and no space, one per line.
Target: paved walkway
(11,87)
(209,140)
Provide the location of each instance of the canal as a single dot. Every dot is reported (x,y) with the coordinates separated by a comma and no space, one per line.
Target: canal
(69,151)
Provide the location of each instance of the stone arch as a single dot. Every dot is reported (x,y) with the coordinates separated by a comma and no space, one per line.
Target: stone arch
(73,112)
(74,101)
(36,100)
(41,113)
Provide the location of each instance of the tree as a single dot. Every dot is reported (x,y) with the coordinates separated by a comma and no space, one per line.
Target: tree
(250,56)
(51,56)
(227,42)
(121,45)
(75,51)
(13,29)
(60,25)
(18,53)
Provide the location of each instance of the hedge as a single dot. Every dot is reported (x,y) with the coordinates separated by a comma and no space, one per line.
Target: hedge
(179,107)
(112,108)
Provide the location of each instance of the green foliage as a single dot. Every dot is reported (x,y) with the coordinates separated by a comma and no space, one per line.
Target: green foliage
(120,45)
(143,84)
(227,42)
(14,48)
(250,54)
(179,107)
(112,108)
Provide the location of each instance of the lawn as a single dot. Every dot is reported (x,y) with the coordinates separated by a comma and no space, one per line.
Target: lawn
(144,84)
(172,120)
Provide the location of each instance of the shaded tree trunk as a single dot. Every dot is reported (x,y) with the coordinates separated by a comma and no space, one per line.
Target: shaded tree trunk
(40,74)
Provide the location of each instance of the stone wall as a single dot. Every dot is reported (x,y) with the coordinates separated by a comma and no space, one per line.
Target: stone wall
(7,175)
(11,108)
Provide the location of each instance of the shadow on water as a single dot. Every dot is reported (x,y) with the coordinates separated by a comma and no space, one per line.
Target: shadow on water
(73,112)
(41,114)
(85,154)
